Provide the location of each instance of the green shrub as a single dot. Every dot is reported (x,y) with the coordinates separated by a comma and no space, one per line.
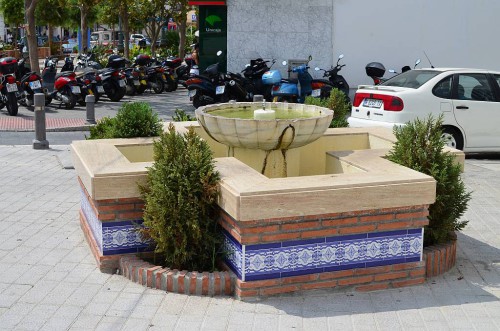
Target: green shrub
(180,115)
(180,196)
(134,119)
(338,102)
(419,146)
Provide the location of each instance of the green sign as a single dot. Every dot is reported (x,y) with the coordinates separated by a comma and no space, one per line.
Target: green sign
(213,36)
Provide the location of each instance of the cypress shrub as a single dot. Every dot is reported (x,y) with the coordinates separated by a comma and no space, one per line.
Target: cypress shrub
(338,102)
(419,146)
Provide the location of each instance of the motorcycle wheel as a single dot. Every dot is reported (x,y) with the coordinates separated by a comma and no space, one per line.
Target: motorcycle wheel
(130,89)
(96,94)
(71,103)
(140,89)
(159,85)
(171,86)
(196,101)
(11,105)
(115,92)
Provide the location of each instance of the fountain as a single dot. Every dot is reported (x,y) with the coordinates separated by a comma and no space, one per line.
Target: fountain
(301,206)
(272,128)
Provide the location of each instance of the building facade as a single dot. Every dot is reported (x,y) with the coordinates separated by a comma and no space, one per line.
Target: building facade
(453,33)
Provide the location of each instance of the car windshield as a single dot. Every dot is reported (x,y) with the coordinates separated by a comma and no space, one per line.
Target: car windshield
(412,79)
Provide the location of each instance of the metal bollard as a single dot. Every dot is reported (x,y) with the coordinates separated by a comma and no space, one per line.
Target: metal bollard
(90,107)
(40,141)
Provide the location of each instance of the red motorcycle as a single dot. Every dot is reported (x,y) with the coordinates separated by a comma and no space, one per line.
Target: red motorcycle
(8,85)
(62,86)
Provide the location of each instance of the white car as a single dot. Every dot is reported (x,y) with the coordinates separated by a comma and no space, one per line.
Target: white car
(469,100)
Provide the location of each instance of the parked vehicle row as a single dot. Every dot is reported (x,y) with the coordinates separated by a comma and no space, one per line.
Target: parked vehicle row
(70,86)
(212,86)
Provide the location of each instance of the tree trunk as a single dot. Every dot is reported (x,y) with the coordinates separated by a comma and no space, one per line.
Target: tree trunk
(83,28)
(31,34)
(126,32)
(50,38)
(181,26)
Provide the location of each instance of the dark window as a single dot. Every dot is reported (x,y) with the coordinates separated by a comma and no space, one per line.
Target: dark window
(443,88)
(412,78)
(475,87)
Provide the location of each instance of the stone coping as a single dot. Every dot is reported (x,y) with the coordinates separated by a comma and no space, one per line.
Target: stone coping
(108,174)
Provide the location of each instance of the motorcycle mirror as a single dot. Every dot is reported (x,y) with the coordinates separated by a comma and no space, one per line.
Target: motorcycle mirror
(283,63)
(317,69)
(247,65)
(392,71)
(219,53)
(310,57)
(417,62)
(341,56)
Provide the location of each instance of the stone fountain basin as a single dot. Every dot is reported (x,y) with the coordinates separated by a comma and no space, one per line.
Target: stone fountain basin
(265,134)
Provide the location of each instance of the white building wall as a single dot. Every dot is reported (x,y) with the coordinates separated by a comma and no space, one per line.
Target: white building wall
(453,33)
(283,30)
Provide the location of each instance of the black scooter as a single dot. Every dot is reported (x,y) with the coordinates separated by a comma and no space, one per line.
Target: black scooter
(322,87)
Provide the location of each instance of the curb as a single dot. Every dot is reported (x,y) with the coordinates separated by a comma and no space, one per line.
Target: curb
(218,283)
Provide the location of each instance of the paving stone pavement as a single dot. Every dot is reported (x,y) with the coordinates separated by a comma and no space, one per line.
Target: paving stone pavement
(49,279)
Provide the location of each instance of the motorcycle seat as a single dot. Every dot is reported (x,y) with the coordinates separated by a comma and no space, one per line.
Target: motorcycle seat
(65,74)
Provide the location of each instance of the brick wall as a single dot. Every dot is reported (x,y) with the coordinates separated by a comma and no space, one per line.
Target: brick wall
(440,258)
(324,225)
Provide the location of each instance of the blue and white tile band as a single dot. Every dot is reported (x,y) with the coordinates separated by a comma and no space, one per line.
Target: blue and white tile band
(292,258)
(115,237)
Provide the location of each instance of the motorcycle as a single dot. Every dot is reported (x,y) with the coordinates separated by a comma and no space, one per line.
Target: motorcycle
(322,87)
(31,83)
(153,74)
(8,85)
(113,80)
(254,72)
(87,79)
(214,87)
(61,86)
(290,90)
(182,70)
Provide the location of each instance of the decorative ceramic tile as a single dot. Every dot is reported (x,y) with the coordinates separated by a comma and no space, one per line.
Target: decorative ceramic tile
(326,254)
(92,220)
(117,237)
(233,254)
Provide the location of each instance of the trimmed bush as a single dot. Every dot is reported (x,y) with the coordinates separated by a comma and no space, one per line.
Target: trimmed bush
(180,202)
(134,119)
(419,146)
(338,102)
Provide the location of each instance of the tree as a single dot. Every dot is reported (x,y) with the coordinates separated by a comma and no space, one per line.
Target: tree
(179,10)
(30,6)
(87,14)
(154,14)
(13,13)
(51,13)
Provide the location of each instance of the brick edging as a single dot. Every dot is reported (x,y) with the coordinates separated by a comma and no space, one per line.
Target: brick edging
(177,281)
(440,258)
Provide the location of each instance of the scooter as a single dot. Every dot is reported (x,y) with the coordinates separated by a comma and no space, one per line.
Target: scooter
(254,72)
(290,90)
(113,79)
(322,87)
(61,86)
(8,85)
(206,89)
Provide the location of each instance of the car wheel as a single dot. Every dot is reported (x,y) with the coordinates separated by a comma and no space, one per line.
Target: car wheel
(453,138)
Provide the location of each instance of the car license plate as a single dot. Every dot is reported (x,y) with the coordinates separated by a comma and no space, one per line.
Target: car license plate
(100,89)
(372,103)
(122,83)
(75,89)
(192,93)
(11,87)
(220,89)
(35,84)
(136,82)
(316,93)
